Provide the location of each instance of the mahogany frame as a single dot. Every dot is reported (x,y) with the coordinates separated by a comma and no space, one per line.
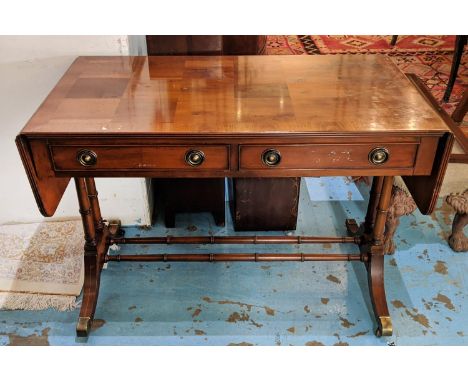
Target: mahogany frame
(323,127)
(99,235)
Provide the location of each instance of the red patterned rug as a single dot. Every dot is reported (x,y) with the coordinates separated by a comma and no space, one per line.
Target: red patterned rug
(429,57)
(381,44)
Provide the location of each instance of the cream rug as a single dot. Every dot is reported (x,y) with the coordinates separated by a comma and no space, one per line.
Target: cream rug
(41,265)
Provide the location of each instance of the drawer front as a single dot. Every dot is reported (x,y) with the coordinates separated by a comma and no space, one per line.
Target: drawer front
(327,156)
(191,158)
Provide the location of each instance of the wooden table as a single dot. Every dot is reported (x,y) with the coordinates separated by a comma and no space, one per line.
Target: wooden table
(238,116)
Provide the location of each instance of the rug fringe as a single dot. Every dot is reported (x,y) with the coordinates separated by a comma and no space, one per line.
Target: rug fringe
(36,301)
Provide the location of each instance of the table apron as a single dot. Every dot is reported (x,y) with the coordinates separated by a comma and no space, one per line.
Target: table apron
(234,174)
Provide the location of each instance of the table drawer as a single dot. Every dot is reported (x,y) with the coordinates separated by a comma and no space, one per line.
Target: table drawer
(121,157)
(328,156)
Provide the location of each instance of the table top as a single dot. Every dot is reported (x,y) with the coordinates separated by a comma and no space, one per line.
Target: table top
(229,95)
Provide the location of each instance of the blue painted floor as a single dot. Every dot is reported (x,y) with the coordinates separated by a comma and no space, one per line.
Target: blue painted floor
(281,303)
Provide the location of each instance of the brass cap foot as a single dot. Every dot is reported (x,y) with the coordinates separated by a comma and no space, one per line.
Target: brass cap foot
(83,326)
(385,327)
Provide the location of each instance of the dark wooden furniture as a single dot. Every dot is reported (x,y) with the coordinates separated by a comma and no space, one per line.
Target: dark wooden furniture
(246,116)
(205,45)
(189,196)
(269,203)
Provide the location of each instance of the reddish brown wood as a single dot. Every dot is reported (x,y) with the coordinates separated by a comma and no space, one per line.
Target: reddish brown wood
(382,209)
(425,189)
(213,257)
(240,45)
(346,155)
(138,116)
(376,262)
(110,151)
(183,45)
(205,45)
(374,198)
(86,214)
(94,203)
(425,155)
(92,267)
(47,189)
(264,204)
(235,240)
(458,158)
(141,157)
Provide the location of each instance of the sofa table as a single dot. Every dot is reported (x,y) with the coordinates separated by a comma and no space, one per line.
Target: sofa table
(236,116)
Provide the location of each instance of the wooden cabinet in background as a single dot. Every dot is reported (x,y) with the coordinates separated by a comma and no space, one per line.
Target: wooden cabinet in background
(175,196)
(268,203)
(205,45)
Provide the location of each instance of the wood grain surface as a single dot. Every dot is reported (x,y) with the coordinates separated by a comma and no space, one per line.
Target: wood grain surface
(234,95)
(238,117)
(141,116)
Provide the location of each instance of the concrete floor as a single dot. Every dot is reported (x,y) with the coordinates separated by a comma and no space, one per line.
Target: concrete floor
(290,303)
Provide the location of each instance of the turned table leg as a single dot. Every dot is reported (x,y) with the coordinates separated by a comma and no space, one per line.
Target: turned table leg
(375,264)
(366,228)
(92,255)
(372,245)
(401,203)
(94,202)
(376,191)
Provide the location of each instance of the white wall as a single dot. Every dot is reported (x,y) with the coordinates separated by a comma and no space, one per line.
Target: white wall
(28,48)
(30,66)
(137,45)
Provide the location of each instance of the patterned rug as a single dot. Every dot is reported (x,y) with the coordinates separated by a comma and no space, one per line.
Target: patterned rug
(429,57)
(41,265)
(349,44)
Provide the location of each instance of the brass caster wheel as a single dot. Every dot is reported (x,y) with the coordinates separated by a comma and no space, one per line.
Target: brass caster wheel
(83,326)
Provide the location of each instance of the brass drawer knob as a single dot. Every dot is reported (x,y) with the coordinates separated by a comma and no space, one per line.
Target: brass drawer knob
(379,155)
(86,157)
(271,157)
(194,157)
